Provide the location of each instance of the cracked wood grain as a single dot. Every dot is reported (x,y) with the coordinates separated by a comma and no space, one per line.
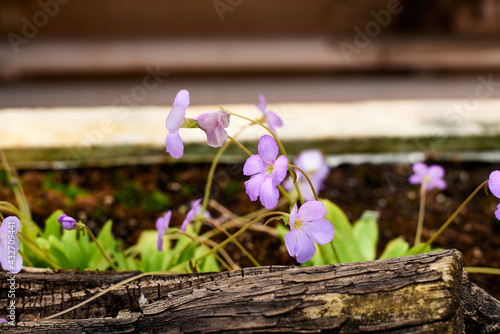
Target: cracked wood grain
(426,293)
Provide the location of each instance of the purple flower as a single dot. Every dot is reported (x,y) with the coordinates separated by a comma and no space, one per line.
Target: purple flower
(266,172)
(432,175)
(162,226)
(67,222)
(195,211)
(494,185)
(313,163)
(10,258)
(270,117)
(307,227)
(174,121)
(2,320)
(214,123)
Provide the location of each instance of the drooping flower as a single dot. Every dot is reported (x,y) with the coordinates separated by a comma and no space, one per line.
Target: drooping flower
(214,123)
(308,226)
(494,186)
(270,117)
(162,226)
(313,163)
(266,172)
(10,258)
(175,119)
(193,212)
(67,222)
(432,175)
(2,320)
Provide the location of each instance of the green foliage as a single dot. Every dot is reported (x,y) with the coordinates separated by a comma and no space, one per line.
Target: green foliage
(133,194)
(70,190)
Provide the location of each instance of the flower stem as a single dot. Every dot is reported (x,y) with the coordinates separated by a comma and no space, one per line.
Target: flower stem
(421,212)
(100,248)
(308,180)
(240,145)
(236,242)
(482,270)
(37,250)
(210,177)
(452,217)
(243,229)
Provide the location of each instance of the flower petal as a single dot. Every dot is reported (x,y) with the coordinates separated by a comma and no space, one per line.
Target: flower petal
(321,231)
(268,149)
(291,242)
(269,194)
(189,218)
(273,119)
(435,172)
(253,186)
(497,212)
(311,211)
(419,168)
(175,118)
(293,217)
(437,183)
(208,121)
(280,170)
(223,118)
(254,165)
(182,98)
(305,248)
(175,145)
(217,137)
(494,183)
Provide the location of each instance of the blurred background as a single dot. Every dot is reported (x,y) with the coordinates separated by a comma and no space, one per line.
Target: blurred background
(88,53)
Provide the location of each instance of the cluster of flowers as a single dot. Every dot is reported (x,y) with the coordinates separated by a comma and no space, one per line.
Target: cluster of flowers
(267,171)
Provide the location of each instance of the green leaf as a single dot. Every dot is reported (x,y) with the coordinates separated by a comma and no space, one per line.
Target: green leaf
(395,248)
(52,226)
(73,248)
(365,233)
(59,253)
(344,242)
(417,249)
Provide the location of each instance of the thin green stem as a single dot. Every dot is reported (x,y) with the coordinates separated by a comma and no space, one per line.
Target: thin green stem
(25,259)
(243,229)
(337,258)
(483,270)
(453,216)
(37,250)
(200,241)
(286,195)
(240,145)
(236,242)
(421,212)
(100,248)
(211,173)
(308,180)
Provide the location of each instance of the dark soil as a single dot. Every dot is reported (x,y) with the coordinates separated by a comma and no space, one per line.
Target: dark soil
(133,197)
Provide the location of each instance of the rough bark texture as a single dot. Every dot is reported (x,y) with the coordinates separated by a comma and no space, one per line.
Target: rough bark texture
(427,293)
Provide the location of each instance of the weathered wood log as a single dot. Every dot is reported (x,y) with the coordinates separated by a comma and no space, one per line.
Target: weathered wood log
(426,293)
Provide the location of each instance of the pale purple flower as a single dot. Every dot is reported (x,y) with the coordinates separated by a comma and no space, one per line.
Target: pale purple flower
(432,175)
(214,123)
(307,227)
(270,117)
(266,172)
(193,212)
(10,258)
(494,185)
(162,226)
(67,222)
(313,163)
(2,320)
(173,123)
